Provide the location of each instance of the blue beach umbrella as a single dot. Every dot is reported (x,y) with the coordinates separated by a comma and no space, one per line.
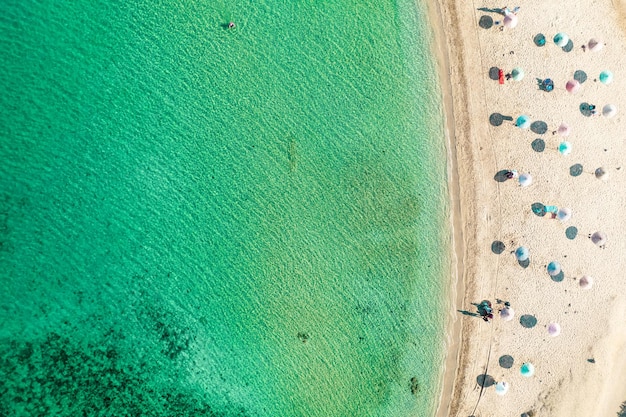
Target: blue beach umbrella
(554,268)
(606,77)
(565,148)
(527,369)
(521,253)
(561,39)
(523,122)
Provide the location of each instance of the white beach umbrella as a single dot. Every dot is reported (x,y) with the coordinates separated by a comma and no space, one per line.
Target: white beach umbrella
(502,388)
(585,282)
(564,214)
(602,174)
(564,129)
(599,238)
(507,314)
(510,20)
(517,74)
(525,180)
(609,110)
(595,45)
(554,329)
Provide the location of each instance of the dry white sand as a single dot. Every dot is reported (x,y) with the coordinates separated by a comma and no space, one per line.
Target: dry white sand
(581,372)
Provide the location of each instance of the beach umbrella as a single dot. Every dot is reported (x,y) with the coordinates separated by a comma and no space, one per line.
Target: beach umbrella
(521,253)
(586,282)
(606,77)
(525,180)
(507,314)
(572,86)
(564,129)
(561,39)
(602,174)
(523,122)
(564,214)
(595,45)
(554,268)
(502,388)
(609,110)
(565,148)
(517,74)
(599,238)
(510,20)
(554,329)
(527,369)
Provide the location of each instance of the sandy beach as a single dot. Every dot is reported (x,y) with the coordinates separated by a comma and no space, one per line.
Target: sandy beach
(581,371)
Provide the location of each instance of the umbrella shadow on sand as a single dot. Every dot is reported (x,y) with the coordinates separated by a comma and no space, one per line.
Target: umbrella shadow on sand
(496,119)
(494,73)
(538,145)
(468,313)
(539,127)
(506,361)
(501,175)
(575,170)
(524,264)
(568,46)
(485,22)
(485,380)
(488,10)
(497,247)
(571,232)
(585,109)
(558,278)
(528,321)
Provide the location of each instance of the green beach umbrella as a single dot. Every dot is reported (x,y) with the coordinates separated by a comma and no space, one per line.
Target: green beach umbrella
(606,77)
(554,268)
(523,122)
(561,39)
(517,74)
(527,369)
(565,148)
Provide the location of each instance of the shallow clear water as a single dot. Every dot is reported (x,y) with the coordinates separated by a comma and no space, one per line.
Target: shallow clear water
(203,221)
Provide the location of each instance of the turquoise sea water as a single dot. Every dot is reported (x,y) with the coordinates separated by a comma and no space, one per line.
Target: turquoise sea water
(197,221)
